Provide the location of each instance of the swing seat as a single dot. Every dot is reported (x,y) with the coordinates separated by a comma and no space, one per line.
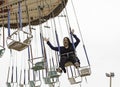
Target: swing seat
(2,50)
(39,66)
(16,44)
(32,84)
(85,71)
(8,84)
(49,80)
(21,85)
(74,80)
(53,74)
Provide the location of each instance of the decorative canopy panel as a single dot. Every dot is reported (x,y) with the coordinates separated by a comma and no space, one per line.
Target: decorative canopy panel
(33,12)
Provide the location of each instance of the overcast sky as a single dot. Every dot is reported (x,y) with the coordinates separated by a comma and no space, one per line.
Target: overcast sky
(99,22)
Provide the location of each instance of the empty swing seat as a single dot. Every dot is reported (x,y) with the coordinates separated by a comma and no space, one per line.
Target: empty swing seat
(32,84)
(39,66)
(16,45)
(85,71)
(53,74)
(21,44)
(49,80)
(38,63)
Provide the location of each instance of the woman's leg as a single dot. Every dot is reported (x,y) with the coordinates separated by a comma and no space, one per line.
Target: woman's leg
(62,63)
(75,60)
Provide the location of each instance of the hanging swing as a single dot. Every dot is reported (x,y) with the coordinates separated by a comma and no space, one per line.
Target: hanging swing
(32,84)
(18,40)
(72,79)
(19,43)
(49,80)
(52,74)
(75,77)
(85,71)
(38,65)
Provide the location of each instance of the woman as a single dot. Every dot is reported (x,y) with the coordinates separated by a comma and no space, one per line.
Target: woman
(67,52)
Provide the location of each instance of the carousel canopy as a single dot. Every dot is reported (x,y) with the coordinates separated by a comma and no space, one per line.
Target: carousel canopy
(33,12)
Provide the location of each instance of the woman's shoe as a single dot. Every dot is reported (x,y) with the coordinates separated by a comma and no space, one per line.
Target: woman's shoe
(59,70)
(77,65)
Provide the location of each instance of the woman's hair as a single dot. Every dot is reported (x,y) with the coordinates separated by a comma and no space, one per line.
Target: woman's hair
(68,40)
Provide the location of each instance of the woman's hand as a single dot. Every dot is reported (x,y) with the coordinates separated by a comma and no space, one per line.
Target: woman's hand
(46,39)
(72,31)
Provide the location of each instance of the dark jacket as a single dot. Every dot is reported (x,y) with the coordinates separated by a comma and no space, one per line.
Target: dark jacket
(63,49)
